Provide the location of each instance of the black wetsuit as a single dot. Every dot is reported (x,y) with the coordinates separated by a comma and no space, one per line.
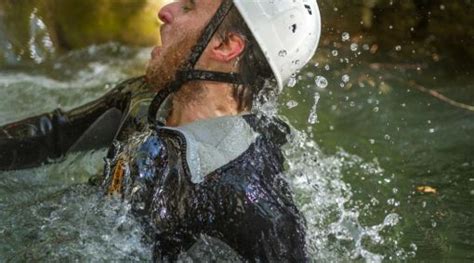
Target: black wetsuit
(43,138)
(220,178)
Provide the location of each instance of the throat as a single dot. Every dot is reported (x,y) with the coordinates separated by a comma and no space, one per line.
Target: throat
(207,103)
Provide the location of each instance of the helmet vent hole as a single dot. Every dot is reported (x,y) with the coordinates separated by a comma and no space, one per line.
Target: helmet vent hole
(309,9)
(293,28)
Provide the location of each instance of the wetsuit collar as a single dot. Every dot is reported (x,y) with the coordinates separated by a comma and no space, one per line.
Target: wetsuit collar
(213,143)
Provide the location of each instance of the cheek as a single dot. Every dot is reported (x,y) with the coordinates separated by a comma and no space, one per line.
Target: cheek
(187,25)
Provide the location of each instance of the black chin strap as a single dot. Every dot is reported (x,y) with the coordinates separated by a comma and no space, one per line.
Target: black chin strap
(189,73)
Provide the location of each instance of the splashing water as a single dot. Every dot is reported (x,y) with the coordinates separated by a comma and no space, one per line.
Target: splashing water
(40,44)
(68,81)
(346,78)
(321,82)
(292,82)
(334,230)
(291,104)
(354,47)
(49,213)
(345,36)
(313,116)
(61,217)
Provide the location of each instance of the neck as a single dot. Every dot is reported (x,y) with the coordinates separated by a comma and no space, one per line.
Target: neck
(200,101)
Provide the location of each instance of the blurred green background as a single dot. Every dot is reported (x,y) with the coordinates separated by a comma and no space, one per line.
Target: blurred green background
(410,29)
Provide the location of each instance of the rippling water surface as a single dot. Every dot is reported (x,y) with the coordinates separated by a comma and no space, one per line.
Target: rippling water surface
(365,141)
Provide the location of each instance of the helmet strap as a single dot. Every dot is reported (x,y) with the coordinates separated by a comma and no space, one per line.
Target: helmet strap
(189,73)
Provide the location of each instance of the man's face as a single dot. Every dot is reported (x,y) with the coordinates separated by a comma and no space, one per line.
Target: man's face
(183,22)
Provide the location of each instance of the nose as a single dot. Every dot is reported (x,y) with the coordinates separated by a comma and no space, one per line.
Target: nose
(165,15)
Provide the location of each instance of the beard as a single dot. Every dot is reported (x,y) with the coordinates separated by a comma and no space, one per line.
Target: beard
(161,70)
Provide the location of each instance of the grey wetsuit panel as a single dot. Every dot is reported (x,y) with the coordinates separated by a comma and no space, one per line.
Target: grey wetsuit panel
(213,143)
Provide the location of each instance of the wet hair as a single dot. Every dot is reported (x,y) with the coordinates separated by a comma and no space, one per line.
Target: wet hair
(253,66)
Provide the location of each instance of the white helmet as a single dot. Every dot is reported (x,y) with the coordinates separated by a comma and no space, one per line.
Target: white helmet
(287,32)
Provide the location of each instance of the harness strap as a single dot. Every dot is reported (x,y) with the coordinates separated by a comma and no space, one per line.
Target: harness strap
(233,78)
(208,33)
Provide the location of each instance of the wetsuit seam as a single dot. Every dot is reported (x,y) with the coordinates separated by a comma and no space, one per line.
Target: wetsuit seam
(183,148)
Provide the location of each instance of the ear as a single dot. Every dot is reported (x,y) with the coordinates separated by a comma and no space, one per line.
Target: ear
(227,49)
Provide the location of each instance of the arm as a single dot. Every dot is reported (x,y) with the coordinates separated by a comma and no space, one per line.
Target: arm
(33,141)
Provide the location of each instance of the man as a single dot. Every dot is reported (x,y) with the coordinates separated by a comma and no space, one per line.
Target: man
(195,162)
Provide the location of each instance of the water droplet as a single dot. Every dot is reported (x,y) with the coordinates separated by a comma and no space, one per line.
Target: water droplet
(432,130)
(313,117)
(40,44)
(374,201)
(292,82)
(321,82)
(345,36)
(346,78)
(371,141)
(386,137)
(442,7)
(327,67)
(354,47)
(282,53)
(375,109)
(391,219)
(335,53)
(291,104)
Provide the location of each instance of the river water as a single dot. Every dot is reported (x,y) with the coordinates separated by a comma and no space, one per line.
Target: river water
(381,170)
